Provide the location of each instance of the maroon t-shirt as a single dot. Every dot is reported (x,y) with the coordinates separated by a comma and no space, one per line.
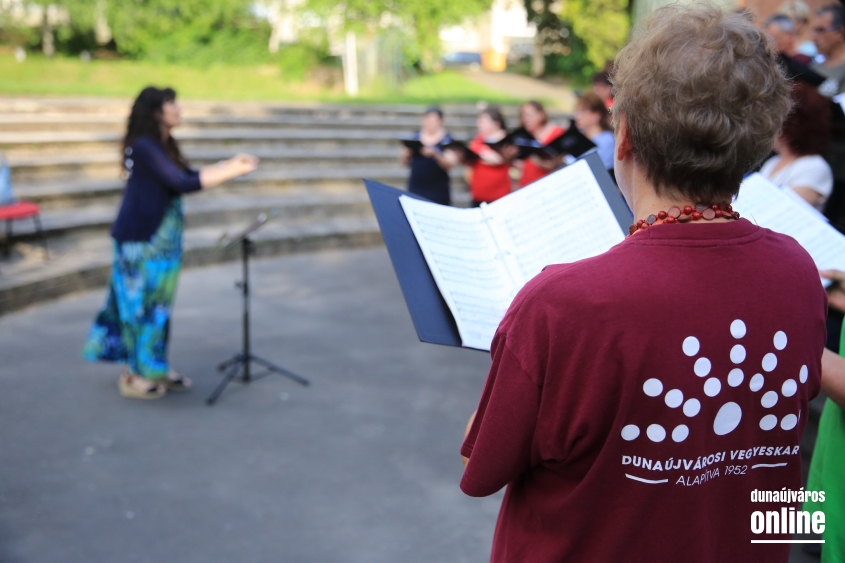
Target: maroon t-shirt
(637,398)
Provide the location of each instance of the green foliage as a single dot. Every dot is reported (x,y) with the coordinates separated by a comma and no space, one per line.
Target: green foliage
(422,19)
(564,50)
(296,60)
(449,86)
(602,24)
(198,31)
(68,76)
(71,36)
(574,65)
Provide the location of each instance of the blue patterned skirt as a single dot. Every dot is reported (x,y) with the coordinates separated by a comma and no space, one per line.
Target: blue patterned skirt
(134,325)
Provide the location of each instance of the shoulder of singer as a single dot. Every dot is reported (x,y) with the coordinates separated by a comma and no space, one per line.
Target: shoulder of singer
(632,306)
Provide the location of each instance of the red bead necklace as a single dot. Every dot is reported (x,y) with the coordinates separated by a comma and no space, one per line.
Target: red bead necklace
(686,214)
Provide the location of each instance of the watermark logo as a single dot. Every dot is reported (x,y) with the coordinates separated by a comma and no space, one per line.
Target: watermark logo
(787,520)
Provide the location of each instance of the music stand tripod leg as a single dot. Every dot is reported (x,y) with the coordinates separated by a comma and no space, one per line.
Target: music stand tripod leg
(280,370)
(234,359)
(230,375)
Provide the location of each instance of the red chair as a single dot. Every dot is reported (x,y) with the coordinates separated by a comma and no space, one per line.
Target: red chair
(17,211)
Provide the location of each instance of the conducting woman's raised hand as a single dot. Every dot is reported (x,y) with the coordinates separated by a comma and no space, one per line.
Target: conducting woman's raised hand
(225,170)
(243,163)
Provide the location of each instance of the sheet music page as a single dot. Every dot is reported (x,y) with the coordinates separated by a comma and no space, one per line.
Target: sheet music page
(463,258)
(765,204)
(561,218)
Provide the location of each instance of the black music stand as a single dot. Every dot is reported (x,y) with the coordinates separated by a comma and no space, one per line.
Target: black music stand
(240,362)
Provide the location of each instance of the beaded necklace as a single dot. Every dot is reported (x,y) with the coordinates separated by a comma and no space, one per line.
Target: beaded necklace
(685,215)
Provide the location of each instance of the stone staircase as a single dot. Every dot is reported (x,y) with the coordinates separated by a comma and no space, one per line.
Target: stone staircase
(64,154)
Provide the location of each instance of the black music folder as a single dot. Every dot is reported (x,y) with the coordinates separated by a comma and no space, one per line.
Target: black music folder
(430,309)
(466,154)
(512,138)
(414,145)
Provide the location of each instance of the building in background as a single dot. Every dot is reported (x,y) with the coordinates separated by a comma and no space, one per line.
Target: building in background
(502,32)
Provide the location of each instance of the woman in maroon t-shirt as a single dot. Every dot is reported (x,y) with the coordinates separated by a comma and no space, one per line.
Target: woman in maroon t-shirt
(637,399)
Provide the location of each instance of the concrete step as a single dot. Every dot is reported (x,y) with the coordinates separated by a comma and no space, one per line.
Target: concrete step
(76,146)
(82,263)
(218,206)
(212,208)
(35,123)
(106,164)
(80,246)
(62,193)
(120,106)
(76,139)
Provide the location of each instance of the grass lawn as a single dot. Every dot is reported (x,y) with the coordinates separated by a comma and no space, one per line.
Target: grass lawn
(72,77)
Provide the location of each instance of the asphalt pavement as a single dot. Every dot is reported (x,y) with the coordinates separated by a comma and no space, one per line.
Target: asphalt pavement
(362,466)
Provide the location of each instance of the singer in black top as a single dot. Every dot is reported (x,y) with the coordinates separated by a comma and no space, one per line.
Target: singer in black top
(431,164)
(133,327)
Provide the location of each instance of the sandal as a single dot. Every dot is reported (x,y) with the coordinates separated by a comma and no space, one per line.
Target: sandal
(176,382)
(127,389)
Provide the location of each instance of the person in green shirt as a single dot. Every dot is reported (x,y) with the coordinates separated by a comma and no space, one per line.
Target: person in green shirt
(827,468)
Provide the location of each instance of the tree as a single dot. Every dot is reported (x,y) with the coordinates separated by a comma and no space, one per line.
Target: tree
(67,17)
(422,20)
(603,25)
(576,37)
(551,32)
(196,30)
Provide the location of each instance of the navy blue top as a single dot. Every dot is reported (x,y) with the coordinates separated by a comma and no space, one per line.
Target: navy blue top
(154,180)
(427,178)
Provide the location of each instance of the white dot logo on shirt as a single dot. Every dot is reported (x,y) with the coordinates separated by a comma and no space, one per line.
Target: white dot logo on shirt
(729,416)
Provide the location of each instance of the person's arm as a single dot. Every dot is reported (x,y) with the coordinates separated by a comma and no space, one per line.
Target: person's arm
(547,163)
(550,134)
(809,195)
(510,153)
(147,153)
(836,292)
(491,157)
(225,170)
(812,179)
(500,436)
(466,433)
(444,159)
(833,365)
(833,377)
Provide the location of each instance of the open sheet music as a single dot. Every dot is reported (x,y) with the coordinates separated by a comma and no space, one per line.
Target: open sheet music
(480,258)
(765,204)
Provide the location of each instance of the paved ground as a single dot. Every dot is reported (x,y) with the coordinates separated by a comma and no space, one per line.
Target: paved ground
(520,86)
(360,467)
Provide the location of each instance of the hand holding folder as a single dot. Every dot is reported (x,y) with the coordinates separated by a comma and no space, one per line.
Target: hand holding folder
(465,154)
(414,146)
(572,142)
(522,145)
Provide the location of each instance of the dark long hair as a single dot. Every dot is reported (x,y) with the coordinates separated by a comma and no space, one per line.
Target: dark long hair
(807,128)
(145,121)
